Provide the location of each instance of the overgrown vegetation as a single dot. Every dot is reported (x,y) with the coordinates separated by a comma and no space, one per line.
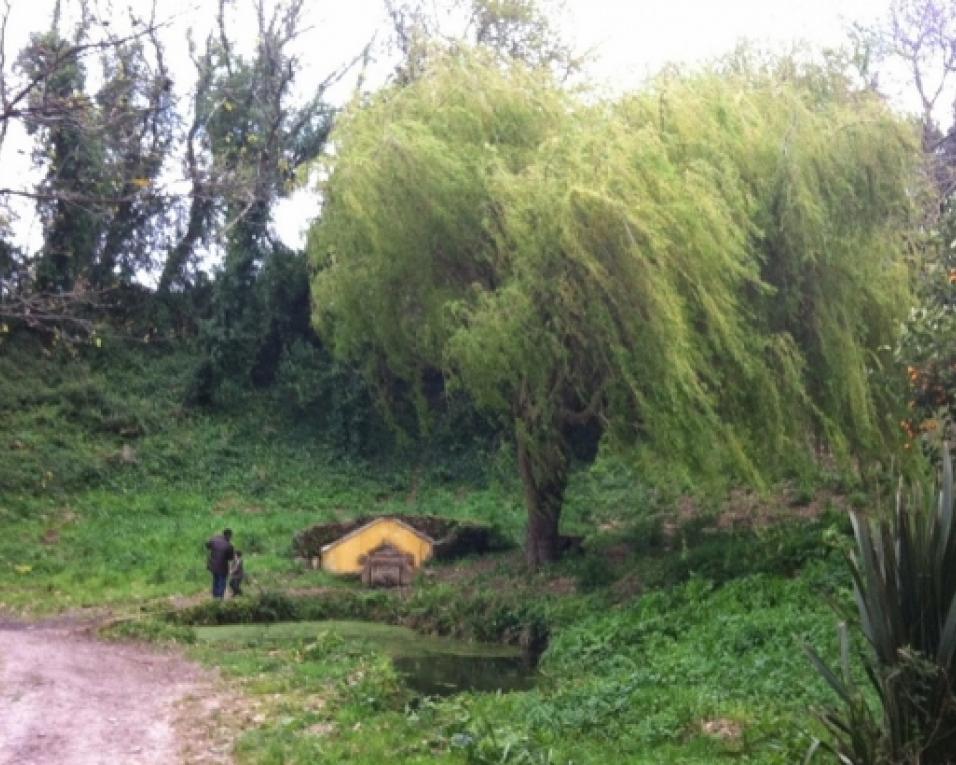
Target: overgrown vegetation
(654,269)
(670,320)
(646,629)
(684,673)
(905,591)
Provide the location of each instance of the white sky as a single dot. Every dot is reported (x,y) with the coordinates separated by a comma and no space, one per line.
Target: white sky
(629,40)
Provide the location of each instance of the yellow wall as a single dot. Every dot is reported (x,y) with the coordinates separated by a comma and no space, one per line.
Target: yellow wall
(343,557)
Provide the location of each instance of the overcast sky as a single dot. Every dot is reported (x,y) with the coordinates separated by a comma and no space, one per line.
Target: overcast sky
(628,39)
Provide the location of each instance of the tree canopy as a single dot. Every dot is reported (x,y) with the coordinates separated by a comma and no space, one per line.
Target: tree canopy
(713,266)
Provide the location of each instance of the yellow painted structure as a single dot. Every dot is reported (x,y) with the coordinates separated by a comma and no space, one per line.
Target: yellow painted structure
(347,555)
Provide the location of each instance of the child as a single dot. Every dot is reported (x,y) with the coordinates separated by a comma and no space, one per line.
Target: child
(236,575)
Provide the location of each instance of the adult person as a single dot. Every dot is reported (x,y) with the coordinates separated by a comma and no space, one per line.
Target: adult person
(220,553)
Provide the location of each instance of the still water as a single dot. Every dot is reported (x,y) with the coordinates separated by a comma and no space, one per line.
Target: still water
(430,665)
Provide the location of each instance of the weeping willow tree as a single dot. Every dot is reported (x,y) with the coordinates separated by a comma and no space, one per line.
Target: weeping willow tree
(711,267)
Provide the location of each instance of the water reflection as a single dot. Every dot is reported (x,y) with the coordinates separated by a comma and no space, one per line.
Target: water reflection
(445,674)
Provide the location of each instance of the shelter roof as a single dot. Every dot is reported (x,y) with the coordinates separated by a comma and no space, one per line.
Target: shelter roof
(382,519)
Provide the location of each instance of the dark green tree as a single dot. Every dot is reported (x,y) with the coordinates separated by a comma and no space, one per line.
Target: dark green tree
(136,119)
(71,151)
(99,202)
(249,136)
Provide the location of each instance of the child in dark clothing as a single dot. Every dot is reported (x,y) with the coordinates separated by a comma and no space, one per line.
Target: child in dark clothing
(236,575)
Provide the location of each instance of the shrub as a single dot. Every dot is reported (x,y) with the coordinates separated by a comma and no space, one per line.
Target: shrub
(267,607)
(150,630)
(904,578)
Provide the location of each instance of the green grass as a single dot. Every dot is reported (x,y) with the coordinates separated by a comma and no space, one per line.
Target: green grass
(124,546)
(389,639)
(635,682)
(653,636)
(109,487)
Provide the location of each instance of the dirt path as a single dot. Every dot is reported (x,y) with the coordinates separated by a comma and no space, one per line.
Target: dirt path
(68,698)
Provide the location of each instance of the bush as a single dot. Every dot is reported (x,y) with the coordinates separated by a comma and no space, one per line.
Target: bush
(904,577)
(149,630)
(332,396)
(267,607)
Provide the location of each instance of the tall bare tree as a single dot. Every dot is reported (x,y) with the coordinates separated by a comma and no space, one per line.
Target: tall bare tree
(100,151)
(511,30)
(247,137)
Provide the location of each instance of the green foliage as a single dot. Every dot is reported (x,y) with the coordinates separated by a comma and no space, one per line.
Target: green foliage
(659,261)
(331,395)
(928,339)
(483,744)
(506,30)
(255,136)
(633,682)
(521,30)
(855,728)
(904,573)
(275,607)
(266,607)
(698,625)
(101,153)
(73,166)
(259,310)
(778,550)
(150,630)
(65,419)
(247,138)
(109,486)
(483,616)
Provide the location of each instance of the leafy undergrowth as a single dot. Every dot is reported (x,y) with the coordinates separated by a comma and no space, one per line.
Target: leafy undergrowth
(675,637)
(109,486)
(692,672)
(673,650)
(691,668)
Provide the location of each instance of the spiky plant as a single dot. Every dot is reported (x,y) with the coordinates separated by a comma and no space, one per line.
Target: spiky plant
(904,581)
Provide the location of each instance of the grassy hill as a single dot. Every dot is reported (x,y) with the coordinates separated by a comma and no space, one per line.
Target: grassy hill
(676,636)
(110,484)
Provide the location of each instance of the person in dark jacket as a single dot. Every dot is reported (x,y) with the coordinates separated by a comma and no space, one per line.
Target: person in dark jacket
(220,553)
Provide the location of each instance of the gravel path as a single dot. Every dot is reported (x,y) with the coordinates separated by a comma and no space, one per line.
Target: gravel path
(68,699)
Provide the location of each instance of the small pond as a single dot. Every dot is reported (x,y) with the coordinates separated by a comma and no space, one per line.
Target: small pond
(430,665)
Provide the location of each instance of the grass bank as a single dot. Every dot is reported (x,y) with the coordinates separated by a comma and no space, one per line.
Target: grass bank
(676,637)
(652,662)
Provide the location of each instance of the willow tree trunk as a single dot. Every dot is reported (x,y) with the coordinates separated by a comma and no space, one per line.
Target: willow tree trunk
(544,482)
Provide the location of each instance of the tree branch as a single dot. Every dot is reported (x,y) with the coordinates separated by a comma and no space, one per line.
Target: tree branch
(583,416)
(53,313)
